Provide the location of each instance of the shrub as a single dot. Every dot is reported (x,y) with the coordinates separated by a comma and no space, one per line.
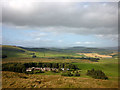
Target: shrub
(4,56)
(55,71)
(64,74)
(39,71)
(67,74)
(97,74)
(77,74)
(34,56)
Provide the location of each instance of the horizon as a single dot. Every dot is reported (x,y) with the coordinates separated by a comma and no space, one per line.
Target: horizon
(61,47)
(50,25)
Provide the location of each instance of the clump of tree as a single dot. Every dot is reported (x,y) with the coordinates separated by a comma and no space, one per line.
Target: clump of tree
(51,65)
(15,67)
(77,74)
(4,56)
(34,56)
(68,73)
(69,57)
(97,74)
(21,67)
(38,71)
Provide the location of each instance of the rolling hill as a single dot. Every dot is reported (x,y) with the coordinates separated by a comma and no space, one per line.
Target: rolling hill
(16,51)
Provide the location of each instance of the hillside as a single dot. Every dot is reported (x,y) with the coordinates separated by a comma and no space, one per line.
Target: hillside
(15,51)
(73,50)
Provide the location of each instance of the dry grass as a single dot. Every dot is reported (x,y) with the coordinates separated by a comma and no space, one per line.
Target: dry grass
(20,80)
(95,55)
(26,60)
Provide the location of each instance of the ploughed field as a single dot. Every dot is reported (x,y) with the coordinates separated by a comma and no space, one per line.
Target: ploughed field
(50,79)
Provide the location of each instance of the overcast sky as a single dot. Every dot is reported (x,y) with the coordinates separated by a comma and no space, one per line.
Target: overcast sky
(59,24)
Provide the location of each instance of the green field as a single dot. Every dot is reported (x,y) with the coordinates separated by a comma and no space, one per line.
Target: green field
(108,65)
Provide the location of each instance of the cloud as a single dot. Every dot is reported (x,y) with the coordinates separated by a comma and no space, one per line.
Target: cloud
(77,42)
(37,39)
(82,43)
(60,41)
(77,18)
(38,34)
(54,18)
(113,37)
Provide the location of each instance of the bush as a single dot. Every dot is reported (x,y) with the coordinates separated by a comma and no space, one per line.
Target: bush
(97,74)
(64,74)
(77,74)
(34,56)
(55,71)
(39,71)
(4,56)
(67,74)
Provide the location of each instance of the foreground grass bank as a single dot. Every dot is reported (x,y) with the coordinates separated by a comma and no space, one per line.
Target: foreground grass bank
(18,80)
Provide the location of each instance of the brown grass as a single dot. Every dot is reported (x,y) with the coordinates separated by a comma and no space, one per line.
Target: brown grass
(26,60)
(95,55)
(20,80)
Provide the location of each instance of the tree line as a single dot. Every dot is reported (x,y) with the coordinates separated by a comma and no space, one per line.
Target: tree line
(68,57)
(21,67)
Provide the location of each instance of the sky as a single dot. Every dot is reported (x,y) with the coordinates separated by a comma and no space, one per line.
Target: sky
(59,24)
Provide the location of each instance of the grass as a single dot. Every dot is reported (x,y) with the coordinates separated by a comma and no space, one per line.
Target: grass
(54,80)
(109,66)
(49,73)
(13,51)
(20,80)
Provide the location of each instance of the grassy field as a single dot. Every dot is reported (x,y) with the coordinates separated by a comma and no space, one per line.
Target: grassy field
(95,55)
(54,80)
(20,80)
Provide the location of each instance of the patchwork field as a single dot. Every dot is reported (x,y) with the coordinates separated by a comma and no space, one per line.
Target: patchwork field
(95,55)
(54,80)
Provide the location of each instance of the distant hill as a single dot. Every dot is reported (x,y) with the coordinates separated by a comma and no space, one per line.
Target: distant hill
(12,48)
(16,51)
(111,48)
(35,49)
(73,50)
(89,50)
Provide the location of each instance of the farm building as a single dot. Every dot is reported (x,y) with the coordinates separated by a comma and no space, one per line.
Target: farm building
(29,69)
(44,69)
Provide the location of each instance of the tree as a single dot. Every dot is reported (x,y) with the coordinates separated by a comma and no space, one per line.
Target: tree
(34,56)
(4,56)
(97,74)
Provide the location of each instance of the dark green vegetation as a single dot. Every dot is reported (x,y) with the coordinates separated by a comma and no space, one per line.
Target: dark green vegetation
(69,73)
(72,50)
(69,57)
(97,74)
(4,56)
(21,67)
(13,51)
